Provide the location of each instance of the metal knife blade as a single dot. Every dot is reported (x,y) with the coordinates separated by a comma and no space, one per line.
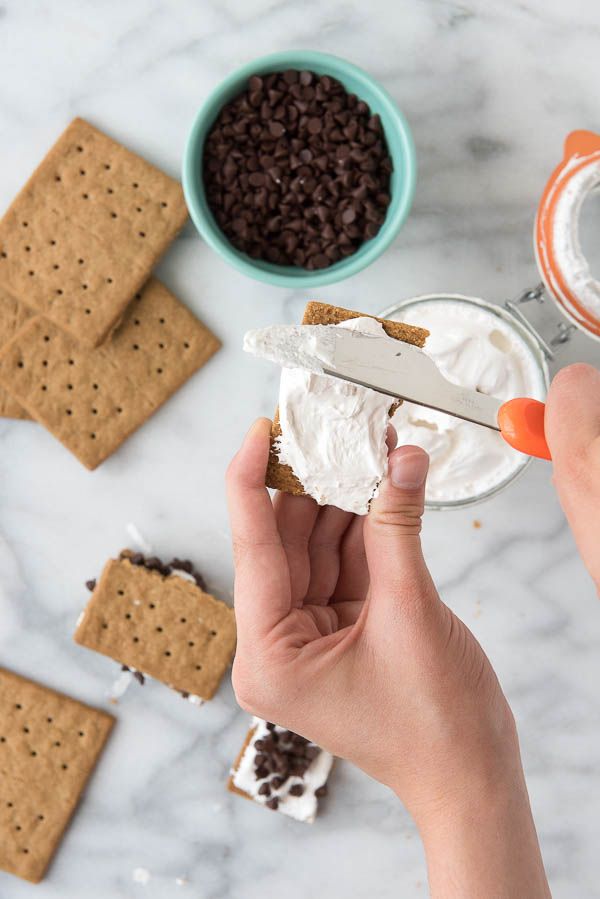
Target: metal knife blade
(374,360)
(402,370)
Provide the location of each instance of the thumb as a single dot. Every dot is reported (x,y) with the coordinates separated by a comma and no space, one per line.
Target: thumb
(393,546)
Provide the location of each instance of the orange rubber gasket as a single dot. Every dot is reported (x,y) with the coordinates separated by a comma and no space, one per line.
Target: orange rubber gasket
(586,145)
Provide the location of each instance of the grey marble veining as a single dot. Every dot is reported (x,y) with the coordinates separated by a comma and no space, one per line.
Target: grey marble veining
(490,89)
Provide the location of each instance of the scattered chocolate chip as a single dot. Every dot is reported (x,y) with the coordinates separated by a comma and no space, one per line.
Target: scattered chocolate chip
(139,677)
(91,585)
(264,790)
(273,803)
(297,170)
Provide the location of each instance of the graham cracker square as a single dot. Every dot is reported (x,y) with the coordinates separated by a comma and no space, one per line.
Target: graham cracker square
(92,400)
(165,626)
(86,230)
(49,745)
(13,315)
(281,477)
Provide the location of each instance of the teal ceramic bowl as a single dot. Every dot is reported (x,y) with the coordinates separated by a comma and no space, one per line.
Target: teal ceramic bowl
(400,145)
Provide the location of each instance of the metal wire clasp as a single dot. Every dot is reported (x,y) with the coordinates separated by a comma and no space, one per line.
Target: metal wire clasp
(538,294)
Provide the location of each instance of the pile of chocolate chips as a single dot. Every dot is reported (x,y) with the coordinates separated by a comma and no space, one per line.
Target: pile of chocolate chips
(297,170)
(279,756)
(152,563)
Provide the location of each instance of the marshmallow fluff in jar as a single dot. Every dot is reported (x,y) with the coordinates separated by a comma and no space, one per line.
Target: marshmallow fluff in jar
(482,347)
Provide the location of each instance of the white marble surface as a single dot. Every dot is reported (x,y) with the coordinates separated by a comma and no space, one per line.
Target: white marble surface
(490,89)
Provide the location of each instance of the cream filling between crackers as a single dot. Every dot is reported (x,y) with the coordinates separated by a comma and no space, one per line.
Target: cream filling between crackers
(302,808)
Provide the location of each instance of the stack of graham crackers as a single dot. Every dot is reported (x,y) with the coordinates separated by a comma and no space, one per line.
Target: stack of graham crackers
(90,344)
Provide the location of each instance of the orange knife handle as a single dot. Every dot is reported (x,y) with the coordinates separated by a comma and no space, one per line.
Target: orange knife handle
(522,426)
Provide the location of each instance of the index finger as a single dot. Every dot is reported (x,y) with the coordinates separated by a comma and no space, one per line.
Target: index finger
(262,583)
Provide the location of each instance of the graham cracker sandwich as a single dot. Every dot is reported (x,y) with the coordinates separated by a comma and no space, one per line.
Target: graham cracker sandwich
(281,476)
(281,770)
(159,621)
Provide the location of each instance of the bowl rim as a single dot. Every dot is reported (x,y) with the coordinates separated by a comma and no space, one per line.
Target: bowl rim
(287,276)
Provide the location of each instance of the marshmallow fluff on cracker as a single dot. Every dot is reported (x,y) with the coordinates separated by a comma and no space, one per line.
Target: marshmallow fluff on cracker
(329,435)
(281,770)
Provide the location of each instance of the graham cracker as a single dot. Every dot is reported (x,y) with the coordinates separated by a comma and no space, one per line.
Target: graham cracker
(13,315)
(281,477)
(92,400)
(49,745)
(86,230)
(166,627)
(230,784)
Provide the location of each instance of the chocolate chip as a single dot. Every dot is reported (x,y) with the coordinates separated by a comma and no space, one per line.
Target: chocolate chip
(91,585)
(320,792)
(273,803)
(277,782)
(136,559)
(296,790)
(276,128)
(139,677)
(264,790)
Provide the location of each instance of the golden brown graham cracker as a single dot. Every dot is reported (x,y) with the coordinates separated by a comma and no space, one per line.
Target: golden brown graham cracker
(92,400)
(230,784)
(13,315)
(166,627)
(86,230)
(49,745)
(281,477)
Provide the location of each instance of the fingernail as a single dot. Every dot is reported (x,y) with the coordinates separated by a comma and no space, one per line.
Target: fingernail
(408,470)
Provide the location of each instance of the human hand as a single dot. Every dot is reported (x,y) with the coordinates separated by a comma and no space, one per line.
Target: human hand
(343,638)
(572,425)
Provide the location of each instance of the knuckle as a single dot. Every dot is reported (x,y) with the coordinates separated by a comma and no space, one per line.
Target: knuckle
(404,519)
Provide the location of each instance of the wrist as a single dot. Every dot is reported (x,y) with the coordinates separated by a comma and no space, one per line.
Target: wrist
(483,841)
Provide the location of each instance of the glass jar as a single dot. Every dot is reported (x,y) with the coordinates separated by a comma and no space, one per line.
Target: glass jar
(528,338)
